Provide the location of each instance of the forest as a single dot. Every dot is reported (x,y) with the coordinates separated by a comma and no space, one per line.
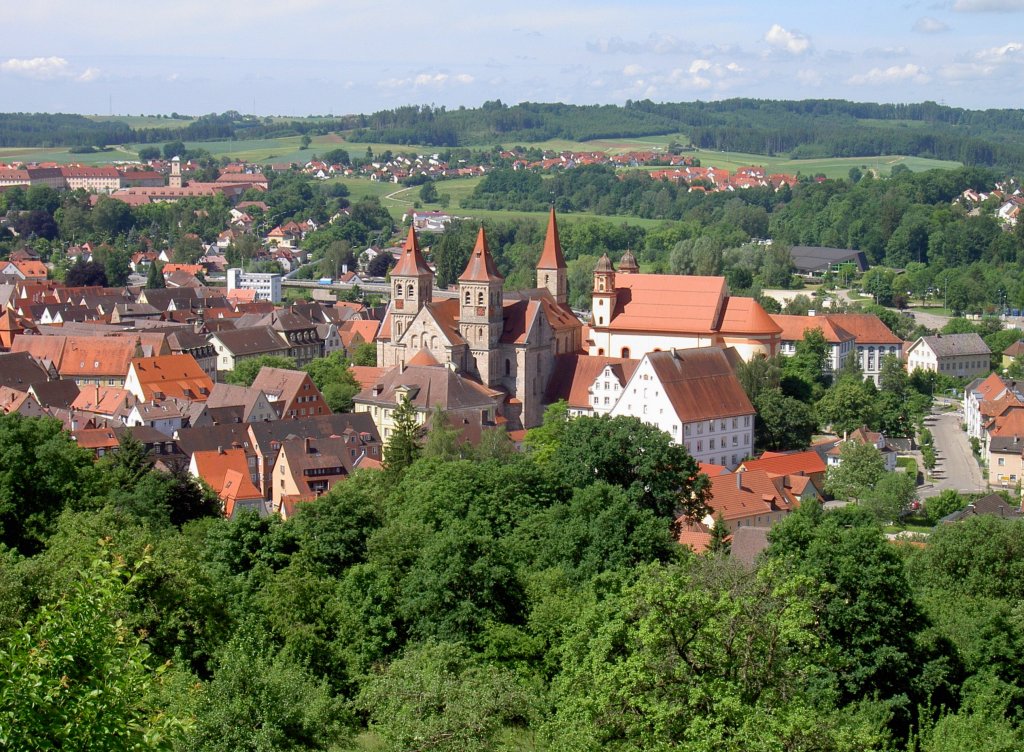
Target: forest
(486,599)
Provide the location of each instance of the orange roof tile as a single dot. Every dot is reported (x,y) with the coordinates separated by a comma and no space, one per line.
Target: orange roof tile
(668,303)
(808,462)
(551,257)
(573,375)
(746,316)
(867,328)
(177,376)
(794,328)
(742,495)
(481,266)
(411,264)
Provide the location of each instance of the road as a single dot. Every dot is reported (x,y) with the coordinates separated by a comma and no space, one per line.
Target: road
(955,466)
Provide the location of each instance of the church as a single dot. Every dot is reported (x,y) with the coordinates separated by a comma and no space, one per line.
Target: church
(506,341)
(633,314)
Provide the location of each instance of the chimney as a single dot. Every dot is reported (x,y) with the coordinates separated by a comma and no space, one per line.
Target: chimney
(220,450)
(96,395)
(344,268)
(739,481)
(306,445)
(811,312)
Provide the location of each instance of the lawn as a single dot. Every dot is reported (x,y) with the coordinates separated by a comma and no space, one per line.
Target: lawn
(143,121)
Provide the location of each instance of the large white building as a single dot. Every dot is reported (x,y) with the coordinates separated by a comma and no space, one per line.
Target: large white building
(266,285)
(957,355)
(693,396)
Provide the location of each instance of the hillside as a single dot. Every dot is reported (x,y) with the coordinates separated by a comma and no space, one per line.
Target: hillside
(808,129)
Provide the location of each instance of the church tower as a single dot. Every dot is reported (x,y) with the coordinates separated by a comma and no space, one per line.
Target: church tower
(604,292)
(552,274)
(174,181)
(412,285)
(481,316)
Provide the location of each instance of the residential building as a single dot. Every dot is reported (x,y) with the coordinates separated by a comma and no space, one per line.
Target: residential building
(227,472)
(841,343)
(267,286)
(694,396)
(428,384)
(874,340)
(235,345)
(959,355)
(590,384)
(755,498)
(166,377)
(291,393)
(834,456)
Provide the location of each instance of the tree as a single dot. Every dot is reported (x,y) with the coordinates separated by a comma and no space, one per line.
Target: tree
(626,452)
(860,468)
(75,677)
(305,141)
(245,371)
(702,654)
(947,502)
(116,266)
(757,374)
(364,354)
(428,192)
(260,699)
(380,264)
(174,149)
(782,422)
(86,274)
(42,472)
(890,498)
(719,543)
(847,405)
(334,380)
(402,448)
(112,217)
(155,277)
(436,697)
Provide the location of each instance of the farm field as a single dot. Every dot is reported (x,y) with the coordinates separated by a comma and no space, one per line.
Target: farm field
(142,121)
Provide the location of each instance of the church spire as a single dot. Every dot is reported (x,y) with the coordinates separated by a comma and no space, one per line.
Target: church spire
(552,274)
(551,257)
(411,264)
(481,266)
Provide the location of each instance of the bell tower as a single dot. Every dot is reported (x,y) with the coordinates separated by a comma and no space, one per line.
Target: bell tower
(481,315)
(412,284)
(603,299)
(552,274)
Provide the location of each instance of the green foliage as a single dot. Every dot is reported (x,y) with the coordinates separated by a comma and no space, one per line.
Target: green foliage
(335,381)
(260,700)
(75,677)
(42,472)
(365,354)
(246,371)
(402,447)
(642,460)
(945,503)
(782,422)
(890,498)
(848,405)
(155,277)
(436,697)
(860,468)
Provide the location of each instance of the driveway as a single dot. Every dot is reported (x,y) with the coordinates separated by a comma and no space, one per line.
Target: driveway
(955,466)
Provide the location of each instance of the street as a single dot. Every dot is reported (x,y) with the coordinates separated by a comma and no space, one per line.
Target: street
(955,466)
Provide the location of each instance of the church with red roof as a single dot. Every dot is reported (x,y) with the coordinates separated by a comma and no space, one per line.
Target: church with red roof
(507,341)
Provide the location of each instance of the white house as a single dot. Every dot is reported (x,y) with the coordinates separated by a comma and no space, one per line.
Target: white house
(958,355)
(694,396)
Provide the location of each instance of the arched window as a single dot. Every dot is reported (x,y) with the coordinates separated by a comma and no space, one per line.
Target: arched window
(398,290)
(600,351)
(625,352)
(412,292)
(545,280)
(600,320)
(480,298)
(468,299)
(415,342)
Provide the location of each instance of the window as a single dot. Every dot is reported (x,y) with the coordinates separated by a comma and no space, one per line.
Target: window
(711,444)
(480,298)
(468,299)
(625,352)
(412,292)
(1002,461)
(398,290)
(735,440)
(686,429)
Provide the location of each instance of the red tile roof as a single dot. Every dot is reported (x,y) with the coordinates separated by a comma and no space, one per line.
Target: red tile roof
(481,267)
(808,462)
(551,257)
(172,376)
(411,264)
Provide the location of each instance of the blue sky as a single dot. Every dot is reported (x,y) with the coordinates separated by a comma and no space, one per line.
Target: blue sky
(299,57)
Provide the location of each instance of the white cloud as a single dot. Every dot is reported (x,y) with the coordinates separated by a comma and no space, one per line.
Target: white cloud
(37,67)
(988,6)
(659,44)
(929,25)
(892,74)
(632,70)
(703,73)
(89,74)
(792,41)
(435,80)
(966,71)
(1002,54)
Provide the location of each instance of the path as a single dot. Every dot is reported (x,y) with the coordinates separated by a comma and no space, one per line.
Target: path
(391,196)
(955,466)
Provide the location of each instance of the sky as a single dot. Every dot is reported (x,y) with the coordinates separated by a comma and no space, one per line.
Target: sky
(321,57)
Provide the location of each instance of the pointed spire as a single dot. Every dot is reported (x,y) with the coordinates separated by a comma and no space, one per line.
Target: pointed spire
(481,267)
(551,257)
(412,263)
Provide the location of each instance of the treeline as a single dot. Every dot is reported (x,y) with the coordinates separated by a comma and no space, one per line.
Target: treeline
(483,599)
(52,130)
